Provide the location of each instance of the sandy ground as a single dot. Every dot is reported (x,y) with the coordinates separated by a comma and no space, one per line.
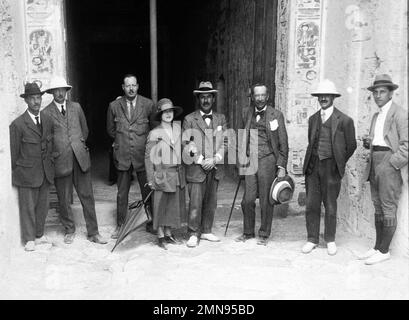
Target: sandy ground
(139,269)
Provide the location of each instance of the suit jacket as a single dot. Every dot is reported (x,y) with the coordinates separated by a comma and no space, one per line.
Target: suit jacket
(129,134)
(395,133)
(277,138)
(209,142)
(163,159)
(31,151)
(70,135)
(343,139)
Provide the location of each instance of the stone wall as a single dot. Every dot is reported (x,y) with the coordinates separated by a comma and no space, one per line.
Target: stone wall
(365,38)
(11,84)
(356,39)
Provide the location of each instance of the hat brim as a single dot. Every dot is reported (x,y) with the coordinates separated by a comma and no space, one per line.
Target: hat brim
(68,87)
(177,111)
(389,85)
(317,94)
(197,92)
(286,183)
(24,95)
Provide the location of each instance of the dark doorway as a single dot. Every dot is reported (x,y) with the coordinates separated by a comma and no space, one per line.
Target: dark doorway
(108,39)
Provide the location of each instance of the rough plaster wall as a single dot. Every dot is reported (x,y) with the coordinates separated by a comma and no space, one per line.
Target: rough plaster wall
(365,38)
(10,104)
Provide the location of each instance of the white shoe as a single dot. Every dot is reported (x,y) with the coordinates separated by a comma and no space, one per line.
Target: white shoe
(209,237)
(42,240)
(378,257)
(308,247)
(30,246)
(331,248)
(192,242)
(367,254)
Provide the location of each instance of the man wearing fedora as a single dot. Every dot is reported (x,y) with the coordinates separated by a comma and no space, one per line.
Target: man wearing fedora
(270,161)
(331,142)
(72,160)
(388,144)
(204,139)
(128,124)
(32,168)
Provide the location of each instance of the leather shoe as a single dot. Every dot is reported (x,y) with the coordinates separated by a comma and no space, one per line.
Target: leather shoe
(331,248)
(193,241)
(244,238)
(308,247)
(30,246)
(97,238)
(114,235)
(262,241)
(209,237)
(171,239)
(378,257)
(162,243)
(69,238)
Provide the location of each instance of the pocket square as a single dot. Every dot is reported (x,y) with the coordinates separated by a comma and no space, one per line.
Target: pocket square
(273,125)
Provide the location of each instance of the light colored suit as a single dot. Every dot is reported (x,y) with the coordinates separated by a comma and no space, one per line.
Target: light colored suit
(72,164)
(164,169)
(202,185)
(383,168)
(395,133)
(70,135)
(212,142)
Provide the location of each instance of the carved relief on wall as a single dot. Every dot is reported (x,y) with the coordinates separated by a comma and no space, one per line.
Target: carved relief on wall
(307,45)
(41,59)
(39,9)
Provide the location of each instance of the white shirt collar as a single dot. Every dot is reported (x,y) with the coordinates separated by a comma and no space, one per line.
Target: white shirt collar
(264,109)
(33,117)
(208,114)
(133,101)
(386,107)
(328,112)
(61,104)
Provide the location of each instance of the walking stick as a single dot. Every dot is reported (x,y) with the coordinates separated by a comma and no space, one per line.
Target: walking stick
(232,206)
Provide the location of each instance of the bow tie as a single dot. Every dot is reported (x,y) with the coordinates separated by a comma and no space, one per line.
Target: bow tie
(207,116)
(260,113)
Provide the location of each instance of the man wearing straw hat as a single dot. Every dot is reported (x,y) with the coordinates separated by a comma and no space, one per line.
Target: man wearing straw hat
(331,142)
(72,160)
(32,168)
(204,138)
(388,143)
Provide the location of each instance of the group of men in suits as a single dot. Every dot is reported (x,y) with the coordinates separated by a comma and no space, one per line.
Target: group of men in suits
(49,147)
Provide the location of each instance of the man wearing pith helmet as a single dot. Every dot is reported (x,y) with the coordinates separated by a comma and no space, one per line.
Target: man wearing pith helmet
(331,142)
(72,160)
(388,144)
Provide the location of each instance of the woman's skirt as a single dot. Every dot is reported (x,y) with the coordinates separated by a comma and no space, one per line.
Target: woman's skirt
(169,208)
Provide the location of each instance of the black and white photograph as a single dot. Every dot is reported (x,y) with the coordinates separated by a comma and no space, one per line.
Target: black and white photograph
(204,156)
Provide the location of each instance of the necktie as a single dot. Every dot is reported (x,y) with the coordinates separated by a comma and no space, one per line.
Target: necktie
(323,116)
(62,110)
(207,116)
(130,110)
(259,114)
(38,123)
